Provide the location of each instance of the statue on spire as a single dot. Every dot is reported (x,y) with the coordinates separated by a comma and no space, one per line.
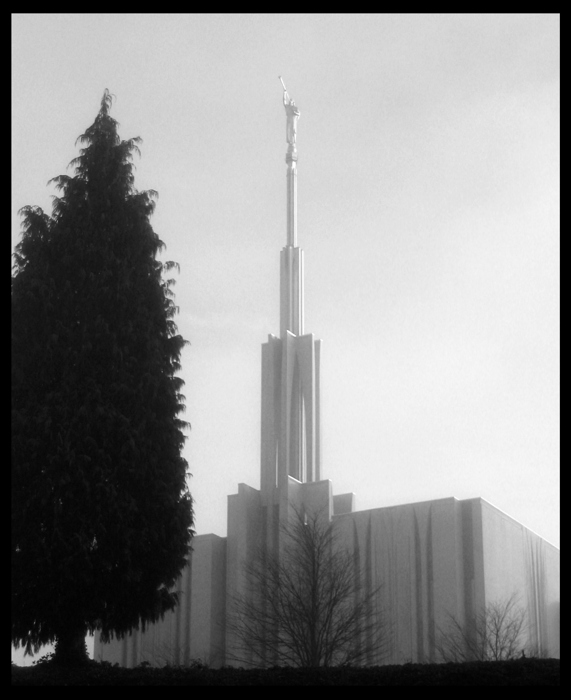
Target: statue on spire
(292,114)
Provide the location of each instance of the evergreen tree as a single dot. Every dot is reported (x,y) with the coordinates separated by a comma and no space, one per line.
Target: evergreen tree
(101,514)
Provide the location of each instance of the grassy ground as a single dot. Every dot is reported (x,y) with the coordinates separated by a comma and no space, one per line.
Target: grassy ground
(520,672)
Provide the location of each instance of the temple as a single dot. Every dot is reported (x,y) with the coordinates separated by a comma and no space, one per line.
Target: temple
(431,561)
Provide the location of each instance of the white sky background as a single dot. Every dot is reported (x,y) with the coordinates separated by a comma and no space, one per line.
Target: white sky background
(428,197)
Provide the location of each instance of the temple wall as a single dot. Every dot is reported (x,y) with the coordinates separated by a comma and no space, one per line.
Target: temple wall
(416,554)
(517,562)
(445,558)
(247,531)
(432,560)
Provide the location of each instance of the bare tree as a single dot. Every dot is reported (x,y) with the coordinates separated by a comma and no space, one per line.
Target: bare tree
(308,606)
(494,634)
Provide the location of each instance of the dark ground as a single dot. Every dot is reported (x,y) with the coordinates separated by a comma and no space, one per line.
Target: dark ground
(520,672)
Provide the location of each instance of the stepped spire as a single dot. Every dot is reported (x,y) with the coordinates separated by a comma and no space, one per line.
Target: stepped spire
(290,363)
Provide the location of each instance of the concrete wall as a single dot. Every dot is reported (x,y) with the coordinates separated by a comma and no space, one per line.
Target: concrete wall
(416,553)
(247,532)
(519,563)
(432,560)
(445,558)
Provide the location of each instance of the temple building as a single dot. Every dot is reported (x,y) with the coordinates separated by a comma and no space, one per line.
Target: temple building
(433,560)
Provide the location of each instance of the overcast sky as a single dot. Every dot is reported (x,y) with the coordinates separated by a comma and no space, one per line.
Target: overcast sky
(428,200)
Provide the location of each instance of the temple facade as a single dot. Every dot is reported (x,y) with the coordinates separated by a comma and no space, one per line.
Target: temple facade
(431,561)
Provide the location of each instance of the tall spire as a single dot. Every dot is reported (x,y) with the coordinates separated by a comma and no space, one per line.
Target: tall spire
(291,311)
(290,363)
(292,115)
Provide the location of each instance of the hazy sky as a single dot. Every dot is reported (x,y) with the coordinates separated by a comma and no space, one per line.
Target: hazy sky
(428,199)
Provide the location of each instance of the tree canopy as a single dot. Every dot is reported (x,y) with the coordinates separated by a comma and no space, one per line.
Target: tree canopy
(101,513)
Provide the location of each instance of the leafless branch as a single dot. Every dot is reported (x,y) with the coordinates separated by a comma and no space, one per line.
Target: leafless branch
(306,607)
(494,634)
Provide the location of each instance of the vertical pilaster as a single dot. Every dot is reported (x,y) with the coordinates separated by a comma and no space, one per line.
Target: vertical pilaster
(291,291)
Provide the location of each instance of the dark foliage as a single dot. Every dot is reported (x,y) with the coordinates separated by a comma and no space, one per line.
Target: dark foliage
(101,514)
(519,672)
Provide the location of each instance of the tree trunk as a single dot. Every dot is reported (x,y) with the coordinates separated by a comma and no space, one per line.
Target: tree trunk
(70,648)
